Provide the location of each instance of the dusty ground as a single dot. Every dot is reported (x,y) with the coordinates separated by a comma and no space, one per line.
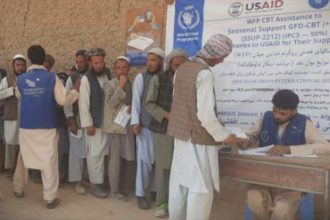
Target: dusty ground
(227,206)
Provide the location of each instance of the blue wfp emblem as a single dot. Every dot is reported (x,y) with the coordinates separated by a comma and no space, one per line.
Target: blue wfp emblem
(265,136)
(318,4)
(189,18)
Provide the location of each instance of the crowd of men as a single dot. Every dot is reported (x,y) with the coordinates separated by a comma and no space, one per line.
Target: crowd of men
(160,131)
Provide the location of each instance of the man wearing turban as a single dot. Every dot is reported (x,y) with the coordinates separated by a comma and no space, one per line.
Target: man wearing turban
(197,131)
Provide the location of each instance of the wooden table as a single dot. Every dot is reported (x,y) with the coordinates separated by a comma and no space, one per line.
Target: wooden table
(299,174)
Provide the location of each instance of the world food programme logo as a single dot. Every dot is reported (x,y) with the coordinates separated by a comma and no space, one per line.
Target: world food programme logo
(236,9)
(189,18)
(317,4)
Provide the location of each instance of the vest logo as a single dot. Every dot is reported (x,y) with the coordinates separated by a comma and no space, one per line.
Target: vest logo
(237,8)
(265,136)
(189,18)
(30,83)
(318,4)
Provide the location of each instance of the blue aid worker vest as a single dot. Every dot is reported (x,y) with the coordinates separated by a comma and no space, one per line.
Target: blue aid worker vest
(38,105)
(294,133)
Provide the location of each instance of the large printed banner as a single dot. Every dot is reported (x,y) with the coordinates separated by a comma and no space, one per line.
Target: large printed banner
(278,44)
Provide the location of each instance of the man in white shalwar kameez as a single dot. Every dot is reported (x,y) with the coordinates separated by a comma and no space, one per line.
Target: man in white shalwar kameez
(145,174)
(197,132)
(10,115)
(91,102)
(39,92)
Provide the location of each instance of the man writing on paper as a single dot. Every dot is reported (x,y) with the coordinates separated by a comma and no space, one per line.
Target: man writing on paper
(291,133)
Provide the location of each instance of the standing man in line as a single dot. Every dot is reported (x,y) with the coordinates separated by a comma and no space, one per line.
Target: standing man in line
(197,131)
(140,122)
(118,94)
(10,115)
(39,91)
(77,153)
(158,105)
(91,105)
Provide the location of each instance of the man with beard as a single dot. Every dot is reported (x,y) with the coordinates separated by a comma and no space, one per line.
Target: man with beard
(140,122)
(77,152)
(197,133)
(118,94)
(158,104)
(290,133)
(91,104)
(10,115)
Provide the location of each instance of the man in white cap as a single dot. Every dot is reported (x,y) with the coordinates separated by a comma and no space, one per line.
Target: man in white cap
(10,115)
(118,97)
(140,122)
(158,104)
(197,131)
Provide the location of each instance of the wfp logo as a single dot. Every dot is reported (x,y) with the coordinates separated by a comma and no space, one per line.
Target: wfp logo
(236,9)
(189,18)
(318,4)
(30,83)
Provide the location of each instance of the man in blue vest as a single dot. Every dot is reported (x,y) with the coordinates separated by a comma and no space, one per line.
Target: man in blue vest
(290,133)
(39,92)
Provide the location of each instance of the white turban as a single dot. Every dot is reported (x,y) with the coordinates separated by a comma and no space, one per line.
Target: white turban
(217,46)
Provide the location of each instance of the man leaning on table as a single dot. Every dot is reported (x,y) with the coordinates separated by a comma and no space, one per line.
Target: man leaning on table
(290,133)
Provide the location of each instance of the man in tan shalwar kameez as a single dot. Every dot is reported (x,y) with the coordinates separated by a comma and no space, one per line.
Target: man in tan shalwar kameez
(39,92)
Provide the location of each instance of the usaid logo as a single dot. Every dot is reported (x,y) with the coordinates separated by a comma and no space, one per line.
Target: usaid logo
(236,9)
(318,4)
(189,18)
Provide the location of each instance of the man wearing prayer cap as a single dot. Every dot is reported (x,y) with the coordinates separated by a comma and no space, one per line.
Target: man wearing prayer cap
(10,115)
(197,132)
(158,104)
(118,96)
(291,133)
(140,122)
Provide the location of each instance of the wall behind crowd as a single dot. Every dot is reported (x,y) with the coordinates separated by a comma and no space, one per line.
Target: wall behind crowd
(62,27)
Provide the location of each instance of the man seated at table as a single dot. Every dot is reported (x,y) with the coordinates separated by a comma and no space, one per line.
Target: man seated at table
(290,133)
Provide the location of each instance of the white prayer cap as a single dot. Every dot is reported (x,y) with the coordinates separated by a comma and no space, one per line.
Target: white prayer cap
(178,52)
(158,51)
(122,58)
(17,56)
(217,46)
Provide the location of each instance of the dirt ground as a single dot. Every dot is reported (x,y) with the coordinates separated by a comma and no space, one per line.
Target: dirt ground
(228,205)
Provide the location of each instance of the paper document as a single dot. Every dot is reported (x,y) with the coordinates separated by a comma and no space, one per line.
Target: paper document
(236,131)
(5,93)
(300,155)
(123,116)
(78,135)
(140,42)
(259,151)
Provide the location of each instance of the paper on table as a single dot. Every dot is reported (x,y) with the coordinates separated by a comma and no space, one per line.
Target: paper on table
(236,131)
(300,155)
(140,42)
(122,116)
(259,151)
(5,93)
